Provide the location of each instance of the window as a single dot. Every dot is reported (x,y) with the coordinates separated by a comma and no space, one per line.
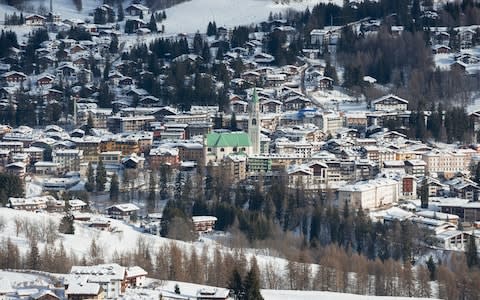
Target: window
(254,121)
(222,150)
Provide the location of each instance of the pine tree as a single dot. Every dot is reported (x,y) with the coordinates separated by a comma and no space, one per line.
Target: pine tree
(252,282)
(33,259)
(101,177)
(163,182)
(331,72)
(114,188)
(432,268)
(113,44)
(424,195)
(66,224)
(120,13)
(471,253)
(235,284)
(90,184)
(233,122)
(152,25)
(206,55)
(477,173)
(151,193)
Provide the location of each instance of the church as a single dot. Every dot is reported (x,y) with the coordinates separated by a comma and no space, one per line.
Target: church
(222,143)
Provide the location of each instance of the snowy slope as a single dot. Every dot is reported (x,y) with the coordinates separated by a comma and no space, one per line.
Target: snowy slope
(301,295)
(65,8)
(188,17)
(123,238)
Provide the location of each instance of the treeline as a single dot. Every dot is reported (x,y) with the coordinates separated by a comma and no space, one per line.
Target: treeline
(329,268)
(382,56)
(8,39)
(14,19)
(264,214)
(460,13)
(444,125)
(10,186)
(405,62)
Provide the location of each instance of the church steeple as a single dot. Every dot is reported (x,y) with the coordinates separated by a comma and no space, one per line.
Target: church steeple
(254,122)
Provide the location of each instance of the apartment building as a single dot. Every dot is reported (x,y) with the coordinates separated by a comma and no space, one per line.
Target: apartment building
(447,162)
(68,159)
(371,194)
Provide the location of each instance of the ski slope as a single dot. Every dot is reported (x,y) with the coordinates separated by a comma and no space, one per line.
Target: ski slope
(194,15)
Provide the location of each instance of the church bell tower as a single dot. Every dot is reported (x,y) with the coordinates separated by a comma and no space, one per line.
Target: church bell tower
(254,123)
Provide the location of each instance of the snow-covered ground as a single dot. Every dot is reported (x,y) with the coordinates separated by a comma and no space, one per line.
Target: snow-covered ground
(443,60)
(338,99)
(18,279)
(65,8)
(155,288)
(123,238)
(187,17)
(190,16)
(301,295)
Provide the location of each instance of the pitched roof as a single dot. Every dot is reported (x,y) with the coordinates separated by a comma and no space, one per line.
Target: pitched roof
(389,96)
(228,139)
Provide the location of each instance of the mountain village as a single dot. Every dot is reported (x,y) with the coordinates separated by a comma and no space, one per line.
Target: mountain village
(96,129)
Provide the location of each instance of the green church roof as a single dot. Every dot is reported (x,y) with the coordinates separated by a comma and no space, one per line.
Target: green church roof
(228,139)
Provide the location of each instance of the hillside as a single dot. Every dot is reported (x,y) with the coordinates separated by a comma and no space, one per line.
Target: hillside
(188,17)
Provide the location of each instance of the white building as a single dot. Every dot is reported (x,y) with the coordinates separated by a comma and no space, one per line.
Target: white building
(110,277)
(67,159)
(390,103)
(448,162)
(331,122)
(370,194)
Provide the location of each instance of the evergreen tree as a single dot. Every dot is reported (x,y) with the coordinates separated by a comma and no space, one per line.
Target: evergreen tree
(152,25)
(90,184)
(432,268)
(206,55)
(252,283)
(10,186)
(66,224)
(477,173)
(424,195)
(233,122)
(197,44)
(120,13)
(101,177)
(90,124)
(331,72)
(212,29)
(151,193)
(236,285)
(163,182)
(471,253)
(33,258)
(114,188)
(113,44)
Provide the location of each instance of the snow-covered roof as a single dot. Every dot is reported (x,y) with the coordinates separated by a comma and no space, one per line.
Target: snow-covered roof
(136,272)
(125,207)
(83,288)
(199,219)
